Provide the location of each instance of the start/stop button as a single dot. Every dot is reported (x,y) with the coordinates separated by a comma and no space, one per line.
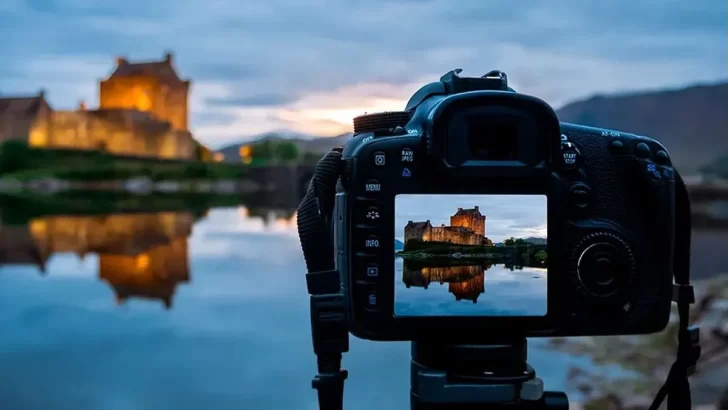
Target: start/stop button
(570,154)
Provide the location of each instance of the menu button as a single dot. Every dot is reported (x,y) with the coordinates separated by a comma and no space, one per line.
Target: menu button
(372,185)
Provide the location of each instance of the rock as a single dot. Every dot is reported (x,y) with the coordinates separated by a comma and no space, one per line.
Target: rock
(248,187)
(168,186)
(48,185)
(140,185)
(205,186)
(226,187)
(10,185)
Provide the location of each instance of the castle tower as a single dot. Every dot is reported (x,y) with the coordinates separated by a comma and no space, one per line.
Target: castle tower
(469,218)
(152,87)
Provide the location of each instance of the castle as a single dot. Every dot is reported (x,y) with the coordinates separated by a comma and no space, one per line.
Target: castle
(467,227)
(143,111)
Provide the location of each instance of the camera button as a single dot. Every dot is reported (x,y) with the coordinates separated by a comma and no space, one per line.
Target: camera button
(372,185)
(380,158)
(642,150)
(371,214)
(407,155)
(570,155)
(580,196)
(372,242)
(616,147)
(661,157)
(373,270)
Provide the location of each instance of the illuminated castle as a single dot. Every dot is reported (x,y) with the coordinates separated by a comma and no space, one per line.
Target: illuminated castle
(467,227)
(143,111)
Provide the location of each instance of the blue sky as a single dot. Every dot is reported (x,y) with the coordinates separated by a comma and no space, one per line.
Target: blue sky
(506,216)
(309,66)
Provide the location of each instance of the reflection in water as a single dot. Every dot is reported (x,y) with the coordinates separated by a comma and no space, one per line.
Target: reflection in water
(140,255)
(464,282)
(513,290)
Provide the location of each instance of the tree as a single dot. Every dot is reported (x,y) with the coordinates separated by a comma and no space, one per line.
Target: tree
(263,150)
(541,256)
(509,242)
(286,151)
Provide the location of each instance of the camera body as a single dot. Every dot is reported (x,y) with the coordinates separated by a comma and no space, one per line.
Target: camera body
(609,199)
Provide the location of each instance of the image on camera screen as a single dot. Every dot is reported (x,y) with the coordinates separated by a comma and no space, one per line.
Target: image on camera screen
(470,255)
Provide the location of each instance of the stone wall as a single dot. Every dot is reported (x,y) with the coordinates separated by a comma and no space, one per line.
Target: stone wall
(421,231)
(455,235)
(41,128)
(120,132)
(166,102)
(471,220)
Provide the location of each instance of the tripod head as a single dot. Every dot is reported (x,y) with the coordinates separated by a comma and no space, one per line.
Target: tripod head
(469,376)
(459,376)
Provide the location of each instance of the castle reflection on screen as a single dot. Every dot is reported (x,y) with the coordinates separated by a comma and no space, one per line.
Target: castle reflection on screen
(464,282)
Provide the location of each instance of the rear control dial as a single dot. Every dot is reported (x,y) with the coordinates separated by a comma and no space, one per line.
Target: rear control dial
(604,264)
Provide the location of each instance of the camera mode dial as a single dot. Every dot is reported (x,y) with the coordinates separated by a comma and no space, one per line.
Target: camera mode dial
(604,264)
(380,121)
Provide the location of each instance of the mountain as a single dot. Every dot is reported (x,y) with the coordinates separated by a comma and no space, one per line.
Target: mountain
(302,141)
(398,245)
(690,122)
(536,241)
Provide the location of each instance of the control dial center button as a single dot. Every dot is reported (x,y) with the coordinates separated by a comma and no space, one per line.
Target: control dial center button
(605,264)
(580,196)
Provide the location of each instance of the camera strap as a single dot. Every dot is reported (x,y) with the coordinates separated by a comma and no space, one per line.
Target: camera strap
(329,306)
(677,385)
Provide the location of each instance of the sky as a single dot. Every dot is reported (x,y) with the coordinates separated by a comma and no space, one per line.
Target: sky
(310,66)
(518,216)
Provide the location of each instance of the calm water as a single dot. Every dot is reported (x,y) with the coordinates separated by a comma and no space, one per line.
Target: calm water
(170,311)
(465,290)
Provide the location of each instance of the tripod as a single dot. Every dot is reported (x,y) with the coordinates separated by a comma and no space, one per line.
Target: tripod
(477,377)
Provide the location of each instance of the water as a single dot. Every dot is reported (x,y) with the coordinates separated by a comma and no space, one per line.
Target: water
(177,310)
(426,289)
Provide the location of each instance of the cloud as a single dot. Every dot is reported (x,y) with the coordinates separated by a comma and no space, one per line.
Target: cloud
(259,100)
(309,66)
(506,215)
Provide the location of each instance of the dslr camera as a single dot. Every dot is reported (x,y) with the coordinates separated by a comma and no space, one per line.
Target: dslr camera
(475,209)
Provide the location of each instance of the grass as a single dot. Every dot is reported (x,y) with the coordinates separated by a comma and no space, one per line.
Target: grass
(23,163)
(18,209)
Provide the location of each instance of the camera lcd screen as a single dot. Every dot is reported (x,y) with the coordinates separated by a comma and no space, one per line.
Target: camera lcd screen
(470,255)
